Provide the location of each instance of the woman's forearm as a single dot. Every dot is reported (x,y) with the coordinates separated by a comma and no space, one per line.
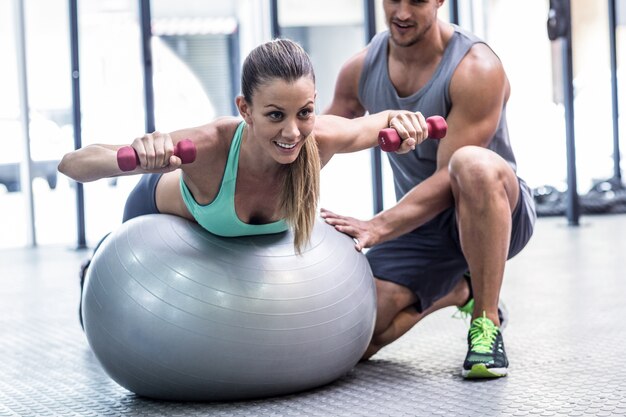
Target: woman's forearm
(91,163)
(340,135)
(369,126)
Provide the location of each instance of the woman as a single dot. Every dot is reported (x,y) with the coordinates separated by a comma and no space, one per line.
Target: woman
(258,175)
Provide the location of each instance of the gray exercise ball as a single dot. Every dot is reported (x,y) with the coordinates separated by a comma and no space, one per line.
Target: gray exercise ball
(173,312)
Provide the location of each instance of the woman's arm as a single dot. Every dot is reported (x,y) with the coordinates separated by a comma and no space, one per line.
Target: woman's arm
(92,163)
(336,134)
(155,152)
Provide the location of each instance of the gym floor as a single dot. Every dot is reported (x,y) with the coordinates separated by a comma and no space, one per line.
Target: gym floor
(564,341)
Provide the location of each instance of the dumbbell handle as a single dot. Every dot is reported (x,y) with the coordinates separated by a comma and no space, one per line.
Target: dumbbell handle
(127,158)
(390,141)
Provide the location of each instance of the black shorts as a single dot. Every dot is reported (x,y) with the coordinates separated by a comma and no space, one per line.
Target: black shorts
(429,260)
(142,199)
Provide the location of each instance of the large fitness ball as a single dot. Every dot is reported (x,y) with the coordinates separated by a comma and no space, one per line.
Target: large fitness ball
(174,312)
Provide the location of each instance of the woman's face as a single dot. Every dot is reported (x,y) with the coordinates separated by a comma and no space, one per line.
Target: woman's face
(281,116)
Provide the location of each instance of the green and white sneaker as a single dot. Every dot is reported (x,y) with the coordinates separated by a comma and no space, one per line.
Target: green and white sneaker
(486,357)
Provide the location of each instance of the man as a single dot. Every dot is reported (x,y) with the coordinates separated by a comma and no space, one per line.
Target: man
(461,206)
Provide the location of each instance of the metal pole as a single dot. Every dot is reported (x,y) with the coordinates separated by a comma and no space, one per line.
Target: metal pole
(454,12)
(235,71)
(148,86)
(376,158)
(573,207)
(76,119)
(560,28)
(275,23)
(617,174)
(26,179)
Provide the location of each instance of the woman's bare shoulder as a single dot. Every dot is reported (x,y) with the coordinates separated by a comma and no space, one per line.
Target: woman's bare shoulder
(216,132)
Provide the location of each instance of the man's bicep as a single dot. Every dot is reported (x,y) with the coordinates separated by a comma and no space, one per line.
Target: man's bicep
(345,106)
(478,92)
(346,101)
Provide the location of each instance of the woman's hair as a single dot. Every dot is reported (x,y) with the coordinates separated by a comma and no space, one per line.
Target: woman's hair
(286,60)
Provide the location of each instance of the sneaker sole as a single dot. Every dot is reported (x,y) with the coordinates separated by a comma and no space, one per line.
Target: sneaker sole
(480,370)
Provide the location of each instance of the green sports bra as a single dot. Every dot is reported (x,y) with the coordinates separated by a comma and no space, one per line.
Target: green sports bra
(219,217)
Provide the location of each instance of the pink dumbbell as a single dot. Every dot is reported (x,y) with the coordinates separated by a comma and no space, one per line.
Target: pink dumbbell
(127,158)
(390,141)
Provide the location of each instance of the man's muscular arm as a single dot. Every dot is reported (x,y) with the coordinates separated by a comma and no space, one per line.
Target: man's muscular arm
(478,91)
(346,97)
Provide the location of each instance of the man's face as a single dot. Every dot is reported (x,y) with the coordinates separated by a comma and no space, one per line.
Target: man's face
(409,20)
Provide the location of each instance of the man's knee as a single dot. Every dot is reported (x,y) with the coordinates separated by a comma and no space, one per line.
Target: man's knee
(476,172)
(473,166)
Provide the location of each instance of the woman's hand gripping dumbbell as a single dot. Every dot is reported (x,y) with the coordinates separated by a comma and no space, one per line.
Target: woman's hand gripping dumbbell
(128,160)
(390,141)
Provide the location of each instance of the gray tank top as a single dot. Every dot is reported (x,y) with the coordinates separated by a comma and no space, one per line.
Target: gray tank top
(376,94)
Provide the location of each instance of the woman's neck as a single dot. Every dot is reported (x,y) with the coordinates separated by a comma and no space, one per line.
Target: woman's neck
(256,160)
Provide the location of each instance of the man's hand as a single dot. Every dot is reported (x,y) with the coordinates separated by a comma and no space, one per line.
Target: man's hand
(361,231)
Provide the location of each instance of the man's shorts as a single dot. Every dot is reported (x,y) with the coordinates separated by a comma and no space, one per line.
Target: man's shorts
(429,260)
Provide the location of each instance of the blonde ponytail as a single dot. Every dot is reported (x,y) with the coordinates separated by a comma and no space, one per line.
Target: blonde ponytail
(301,192)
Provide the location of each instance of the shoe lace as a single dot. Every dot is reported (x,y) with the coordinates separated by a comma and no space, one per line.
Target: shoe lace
(465,312)
(482,334)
